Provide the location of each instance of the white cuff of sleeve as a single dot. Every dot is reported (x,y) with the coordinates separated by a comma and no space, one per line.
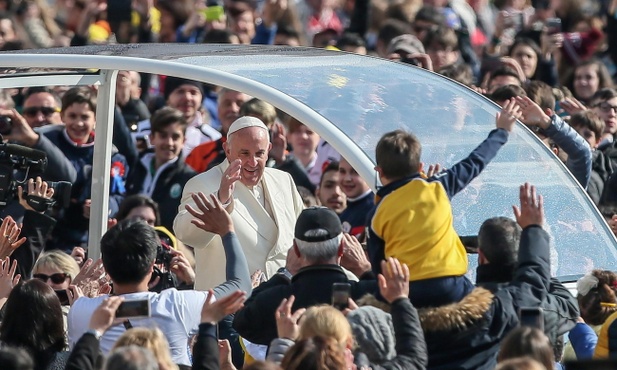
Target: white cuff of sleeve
(216,194)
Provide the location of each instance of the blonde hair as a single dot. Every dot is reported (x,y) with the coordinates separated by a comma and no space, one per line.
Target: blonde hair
(57,260)
(152,339)
(326,321)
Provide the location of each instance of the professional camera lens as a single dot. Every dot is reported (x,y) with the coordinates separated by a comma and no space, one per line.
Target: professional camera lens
(6,125)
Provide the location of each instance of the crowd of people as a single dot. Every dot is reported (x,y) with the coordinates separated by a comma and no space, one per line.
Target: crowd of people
(239,239)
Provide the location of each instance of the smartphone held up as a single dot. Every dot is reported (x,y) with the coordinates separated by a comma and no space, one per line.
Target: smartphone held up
(341,295)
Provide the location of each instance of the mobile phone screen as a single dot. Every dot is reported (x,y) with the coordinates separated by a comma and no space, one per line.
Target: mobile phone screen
(531,316)
(134,308)
(62,296)
(340,295)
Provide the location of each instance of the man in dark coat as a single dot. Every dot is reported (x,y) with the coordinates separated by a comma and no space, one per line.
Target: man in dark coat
(318,247)
(498,243)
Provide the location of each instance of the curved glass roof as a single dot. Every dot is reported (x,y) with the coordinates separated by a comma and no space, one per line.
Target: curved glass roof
(364,97)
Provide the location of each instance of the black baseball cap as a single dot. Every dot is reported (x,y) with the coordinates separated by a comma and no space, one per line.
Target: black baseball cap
(314,218)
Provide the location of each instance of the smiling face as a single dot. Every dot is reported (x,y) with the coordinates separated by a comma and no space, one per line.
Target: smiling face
(353,185)
(167,143)
(79,121)
(330,193)
(41,109)
(251,145)
(187,99)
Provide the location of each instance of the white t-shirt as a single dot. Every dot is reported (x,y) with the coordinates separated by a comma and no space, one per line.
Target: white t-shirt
(176,313)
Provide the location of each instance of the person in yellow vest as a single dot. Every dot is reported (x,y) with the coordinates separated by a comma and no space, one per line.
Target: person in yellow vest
(412,219)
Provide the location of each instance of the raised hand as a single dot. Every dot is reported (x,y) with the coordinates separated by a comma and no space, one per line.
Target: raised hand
(286,322)
(532,114)
(532,207)
(9,237)
(8,279)
(215,312)
(228,181)
(394,280)
(354,258)
(506,119)
(279,143)
(572,106)
(210,216)
(104,316)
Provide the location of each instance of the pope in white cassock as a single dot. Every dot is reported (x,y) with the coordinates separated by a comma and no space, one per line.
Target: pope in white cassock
(263,202)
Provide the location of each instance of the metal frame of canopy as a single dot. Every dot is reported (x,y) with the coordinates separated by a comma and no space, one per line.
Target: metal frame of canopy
(108,67)
(98,65)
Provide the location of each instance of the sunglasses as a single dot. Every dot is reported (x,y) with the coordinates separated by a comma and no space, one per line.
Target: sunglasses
(47,111)
(57,278)
(606,107)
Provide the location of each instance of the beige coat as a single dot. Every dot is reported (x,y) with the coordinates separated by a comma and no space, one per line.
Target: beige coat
(265,241)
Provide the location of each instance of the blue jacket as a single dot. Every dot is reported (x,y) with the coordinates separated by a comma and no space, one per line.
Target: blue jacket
(577,148)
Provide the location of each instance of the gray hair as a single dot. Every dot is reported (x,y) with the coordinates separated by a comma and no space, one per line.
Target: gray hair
(319,251)
(131,358)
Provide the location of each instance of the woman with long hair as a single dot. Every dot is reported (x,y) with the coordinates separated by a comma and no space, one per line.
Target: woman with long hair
(33,321)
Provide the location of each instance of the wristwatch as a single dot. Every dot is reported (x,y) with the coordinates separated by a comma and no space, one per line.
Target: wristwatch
(97,334)
(285,273)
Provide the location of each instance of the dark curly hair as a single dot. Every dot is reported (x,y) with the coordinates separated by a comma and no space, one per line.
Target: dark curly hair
(592,310)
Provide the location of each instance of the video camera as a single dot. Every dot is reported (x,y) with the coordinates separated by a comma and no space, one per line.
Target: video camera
(20,158)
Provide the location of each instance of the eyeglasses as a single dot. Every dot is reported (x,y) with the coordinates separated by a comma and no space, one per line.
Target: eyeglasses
(47,111)
(57,278)
(606,107)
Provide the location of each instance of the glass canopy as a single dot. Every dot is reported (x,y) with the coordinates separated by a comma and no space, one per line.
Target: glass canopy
(357,99)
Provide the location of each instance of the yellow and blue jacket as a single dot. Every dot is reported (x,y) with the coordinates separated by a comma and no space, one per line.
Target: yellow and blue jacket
(412,219)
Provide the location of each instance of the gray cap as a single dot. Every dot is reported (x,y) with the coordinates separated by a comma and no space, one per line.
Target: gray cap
(408,44)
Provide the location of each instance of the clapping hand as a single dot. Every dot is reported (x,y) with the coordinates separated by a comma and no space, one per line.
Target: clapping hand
(532,207)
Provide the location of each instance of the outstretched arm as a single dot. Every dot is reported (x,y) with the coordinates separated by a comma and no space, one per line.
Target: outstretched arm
(461,174)
(210,216)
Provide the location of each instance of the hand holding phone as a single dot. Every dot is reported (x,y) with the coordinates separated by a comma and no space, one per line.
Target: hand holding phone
(213,13)
(553,26)
(133,308)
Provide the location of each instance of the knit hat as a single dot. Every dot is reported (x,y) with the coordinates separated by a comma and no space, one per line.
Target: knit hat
(172,83)
(374,333)
(314,218)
